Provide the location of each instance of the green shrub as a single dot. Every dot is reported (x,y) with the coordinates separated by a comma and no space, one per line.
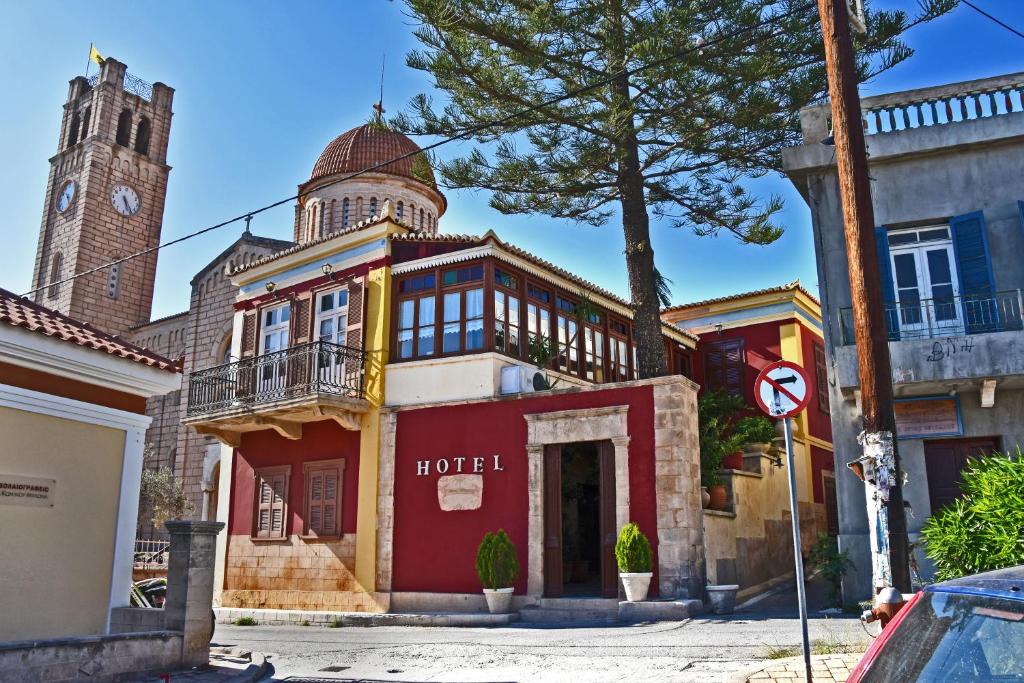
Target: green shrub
(632,550)
(244,621)
(496,562)
(984,529)
(723,431)
(824,555)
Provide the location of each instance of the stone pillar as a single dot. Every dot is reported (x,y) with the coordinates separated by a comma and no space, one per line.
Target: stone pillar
(189,604)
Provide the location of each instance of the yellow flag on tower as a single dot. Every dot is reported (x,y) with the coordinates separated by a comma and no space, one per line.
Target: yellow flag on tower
(94,54)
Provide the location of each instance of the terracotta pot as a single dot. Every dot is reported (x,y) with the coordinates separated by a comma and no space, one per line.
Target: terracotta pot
(636,585)
(705,497)
(718,497)
(733,461)
(499,600)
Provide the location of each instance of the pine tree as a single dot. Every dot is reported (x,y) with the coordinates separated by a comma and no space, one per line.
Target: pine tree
(677,140)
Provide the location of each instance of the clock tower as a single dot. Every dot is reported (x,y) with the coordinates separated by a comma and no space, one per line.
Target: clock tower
(105,200)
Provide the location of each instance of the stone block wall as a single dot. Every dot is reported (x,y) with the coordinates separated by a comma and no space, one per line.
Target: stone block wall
(93,658)
(295,574)
(677,482)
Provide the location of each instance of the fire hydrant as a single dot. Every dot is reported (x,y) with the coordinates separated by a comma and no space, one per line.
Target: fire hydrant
(888,603)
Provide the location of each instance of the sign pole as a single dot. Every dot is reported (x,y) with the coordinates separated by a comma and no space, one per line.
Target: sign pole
(798,560)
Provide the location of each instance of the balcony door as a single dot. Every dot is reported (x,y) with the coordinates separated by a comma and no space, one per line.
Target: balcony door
(273,341)
(925,283)
(332,326)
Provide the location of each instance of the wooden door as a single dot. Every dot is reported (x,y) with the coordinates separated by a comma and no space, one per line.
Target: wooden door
(553,521)
(945,459)
(609,570)
(831,505)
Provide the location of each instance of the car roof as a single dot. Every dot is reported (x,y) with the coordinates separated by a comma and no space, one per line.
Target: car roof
(1002,583)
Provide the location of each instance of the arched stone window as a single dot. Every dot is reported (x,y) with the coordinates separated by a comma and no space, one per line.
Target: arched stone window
(124,128)
(422,224)
(345,212)
(359,209)
(412,215)
(399,209)
(73,129)
(56,265)
(142,134)
(373,207)
(114,280)
(329,225)
(86,115)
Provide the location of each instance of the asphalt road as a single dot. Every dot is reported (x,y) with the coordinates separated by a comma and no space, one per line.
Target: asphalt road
(700,649)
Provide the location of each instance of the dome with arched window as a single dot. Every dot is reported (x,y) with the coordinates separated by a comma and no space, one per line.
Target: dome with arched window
(394,170)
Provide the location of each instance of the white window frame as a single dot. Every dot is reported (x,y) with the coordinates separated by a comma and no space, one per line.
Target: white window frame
(332,367)
(952,325)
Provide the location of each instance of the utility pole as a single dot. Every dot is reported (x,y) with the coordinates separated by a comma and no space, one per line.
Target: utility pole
(881,462)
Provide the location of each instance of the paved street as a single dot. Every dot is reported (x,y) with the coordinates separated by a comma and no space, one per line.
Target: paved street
(701,649)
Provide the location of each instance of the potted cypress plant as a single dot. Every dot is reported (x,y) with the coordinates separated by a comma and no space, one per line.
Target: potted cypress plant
(498,569)
(633,555)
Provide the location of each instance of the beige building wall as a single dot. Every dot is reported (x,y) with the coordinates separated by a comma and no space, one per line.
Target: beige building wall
(57,562)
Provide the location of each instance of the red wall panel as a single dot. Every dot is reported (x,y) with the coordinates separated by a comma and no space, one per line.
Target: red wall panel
(435,550)
(325,440)
(821,461)
(761,346)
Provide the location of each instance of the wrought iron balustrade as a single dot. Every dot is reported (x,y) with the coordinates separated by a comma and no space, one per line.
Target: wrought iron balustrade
(951,316)
(317,367)
(150,554)
(132,84)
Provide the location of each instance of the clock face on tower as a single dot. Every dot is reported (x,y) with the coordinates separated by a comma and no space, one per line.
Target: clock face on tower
(125,200)
(66,196)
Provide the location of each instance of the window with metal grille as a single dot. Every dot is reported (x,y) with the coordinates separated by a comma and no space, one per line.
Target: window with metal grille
(723,366)
(271,505)
(821,377)
(322,509)
(114,281)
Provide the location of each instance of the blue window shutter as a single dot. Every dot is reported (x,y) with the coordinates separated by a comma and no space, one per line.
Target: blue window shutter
(974,270)
(888,288)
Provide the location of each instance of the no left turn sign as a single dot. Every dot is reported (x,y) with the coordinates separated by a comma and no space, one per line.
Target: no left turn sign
(781,389)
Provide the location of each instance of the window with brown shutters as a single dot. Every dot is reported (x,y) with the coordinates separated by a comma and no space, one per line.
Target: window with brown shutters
(821,377)
(270,509)
(723,366)
(322,509)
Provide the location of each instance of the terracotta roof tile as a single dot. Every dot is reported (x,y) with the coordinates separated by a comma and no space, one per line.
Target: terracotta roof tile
(788,287)
(366,146)
(21,312)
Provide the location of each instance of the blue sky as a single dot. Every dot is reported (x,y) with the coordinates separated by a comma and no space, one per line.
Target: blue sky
(262,87)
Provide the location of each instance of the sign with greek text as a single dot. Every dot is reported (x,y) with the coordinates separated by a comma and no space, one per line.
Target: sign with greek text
(30,491)
(928,417)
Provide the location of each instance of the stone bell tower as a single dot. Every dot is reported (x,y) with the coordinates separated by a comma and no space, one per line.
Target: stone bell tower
(105,199)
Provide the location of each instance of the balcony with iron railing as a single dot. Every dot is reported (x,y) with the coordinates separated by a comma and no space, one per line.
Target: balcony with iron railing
(945,317)
(944,344)
(132,84)
(280,390)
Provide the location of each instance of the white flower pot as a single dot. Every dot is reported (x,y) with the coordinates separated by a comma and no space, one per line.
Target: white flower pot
(722,598)
(636,585)
(499,600)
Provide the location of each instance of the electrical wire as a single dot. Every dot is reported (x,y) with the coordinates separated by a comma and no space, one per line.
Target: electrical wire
(469,132)
(992,18)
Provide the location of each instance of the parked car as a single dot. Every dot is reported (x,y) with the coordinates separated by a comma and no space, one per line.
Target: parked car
(968,629)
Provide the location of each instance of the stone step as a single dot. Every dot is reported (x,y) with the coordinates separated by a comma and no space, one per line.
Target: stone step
(579,603)
(539,615)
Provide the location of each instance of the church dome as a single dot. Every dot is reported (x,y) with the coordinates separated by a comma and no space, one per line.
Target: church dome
(369,145)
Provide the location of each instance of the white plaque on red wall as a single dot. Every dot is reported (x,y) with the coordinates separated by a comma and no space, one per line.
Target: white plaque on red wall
(31,491)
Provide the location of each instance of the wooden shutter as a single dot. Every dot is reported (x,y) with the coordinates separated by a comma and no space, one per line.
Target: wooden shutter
(892,321)
(323,498)
(608,531)
(724,366)
(553,585)
(821,377)
(974,270)
(249,338)
(300,318)
(271,505)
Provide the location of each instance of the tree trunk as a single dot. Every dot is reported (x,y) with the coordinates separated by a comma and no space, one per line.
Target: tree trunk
(643,288)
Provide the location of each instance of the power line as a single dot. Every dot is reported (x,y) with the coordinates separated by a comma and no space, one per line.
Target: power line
(992,18)
(469,132)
